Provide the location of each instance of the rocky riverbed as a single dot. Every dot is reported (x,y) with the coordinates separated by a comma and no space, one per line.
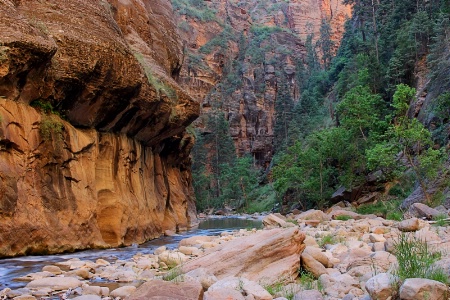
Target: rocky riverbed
(309,255)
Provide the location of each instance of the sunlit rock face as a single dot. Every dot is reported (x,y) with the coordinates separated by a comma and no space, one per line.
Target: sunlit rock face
(114,169)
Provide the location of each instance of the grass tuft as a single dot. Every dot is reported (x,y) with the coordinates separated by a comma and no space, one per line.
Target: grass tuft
(415,259)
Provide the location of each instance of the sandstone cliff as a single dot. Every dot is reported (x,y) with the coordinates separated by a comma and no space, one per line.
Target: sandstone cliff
(239,52)
(116,170)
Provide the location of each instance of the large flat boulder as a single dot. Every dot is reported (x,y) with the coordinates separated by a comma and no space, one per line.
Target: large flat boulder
(266,256)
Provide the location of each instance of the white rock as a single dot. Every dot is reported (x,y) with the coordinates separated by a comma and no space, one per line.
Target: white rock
(55,283)
(381,286)
(87,297)
(374,238)
(123,291)
(247,286)
(52,269)
(308,295)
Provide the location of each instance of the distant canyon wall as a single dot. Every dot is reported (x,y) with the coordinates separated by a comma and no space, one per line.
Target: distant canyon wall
(250,107)
(114,169)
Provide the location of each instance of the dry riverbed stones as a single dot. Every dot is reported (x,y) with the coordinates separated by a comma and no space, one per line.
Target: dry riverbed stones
(346,259)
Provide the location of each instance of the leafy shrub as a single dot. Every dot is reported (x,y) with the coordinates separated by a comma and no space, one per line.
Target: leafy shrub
(384,208)
(51,128)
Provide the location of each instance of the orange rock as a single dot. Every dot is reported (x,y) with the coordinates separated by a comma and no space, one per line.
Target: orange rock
(268,255)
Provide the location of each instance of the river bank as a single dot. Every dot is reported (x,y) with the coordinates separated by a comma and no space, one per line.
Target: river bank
(340,255)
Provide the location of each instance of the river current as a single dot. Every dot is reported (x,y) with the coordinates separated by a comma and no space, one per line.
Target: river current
(11,268)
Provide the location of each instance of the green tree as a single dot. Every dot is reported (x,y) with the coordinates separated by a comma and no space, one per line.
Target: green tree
(410,138)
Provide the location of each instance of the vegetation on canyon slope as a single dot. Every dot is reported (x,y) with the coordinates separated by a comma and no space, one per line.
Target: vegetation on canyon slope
(355,114)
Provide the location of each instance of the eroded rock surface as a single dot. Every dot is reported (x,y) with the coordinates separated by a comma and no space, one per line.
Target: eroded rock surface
(116,171)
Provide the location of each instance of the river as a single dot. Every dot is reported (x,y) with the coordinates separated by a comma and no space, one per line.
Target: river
(11,268)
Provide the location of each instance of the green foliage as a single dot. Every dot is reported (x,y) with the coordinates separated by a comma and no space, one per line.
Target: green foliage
(327,240)
(159,86)
(343,218)
(195,9)
(44,106)
(173,273)
(415,259)
(383,208)
(51,128)
(441,220)
(360,111)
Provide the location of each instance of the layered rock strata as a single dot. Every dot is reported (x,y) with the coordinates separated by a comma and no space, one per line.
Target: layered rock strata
(115,170)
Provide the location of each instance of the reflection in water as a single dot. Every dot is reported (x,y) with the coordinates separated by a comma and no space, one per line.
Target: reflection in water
(20,266)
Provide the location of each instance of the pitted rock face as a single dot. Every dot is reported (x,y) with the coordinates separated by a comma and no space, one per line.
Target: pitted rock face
(116,170)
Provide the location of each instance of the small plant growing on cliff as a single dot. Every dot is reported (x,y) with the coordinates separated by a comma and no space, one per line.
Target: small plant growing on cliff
(51,128)
(159,86)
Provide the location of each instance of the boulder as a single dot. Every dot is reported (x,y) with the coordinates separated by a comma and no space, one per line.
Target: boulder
(268,255)
(337,213)
(196,240)
(52,269)
(381,286)
(223,294)
(55,283)
(273,221)
(25,297)
(421,210)
(203,276)
(123,291)
(312,265)
(408,225)
(87,297)
(420,288)
(338,286)
(308,295)
(158,289)
(243,285)
(318,254)
(313,214)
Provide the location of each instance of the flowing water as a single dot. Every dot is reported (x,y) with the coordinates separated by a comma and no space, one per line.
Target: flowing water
(20,266)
